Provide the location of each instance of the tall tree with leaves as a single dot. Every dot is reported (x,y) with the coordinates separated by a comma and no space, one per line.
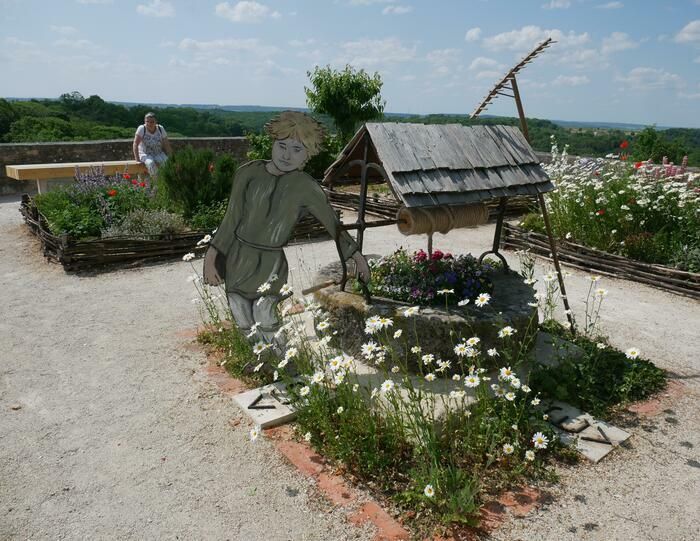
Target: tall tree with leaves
(349,97)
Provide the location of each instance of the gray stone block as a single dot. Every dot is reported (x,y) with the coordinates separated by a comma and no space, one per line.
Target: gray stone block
(271,410)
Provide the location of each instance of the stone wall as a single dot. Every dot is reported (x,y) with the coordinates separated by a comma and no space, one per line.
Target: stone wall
(88,151)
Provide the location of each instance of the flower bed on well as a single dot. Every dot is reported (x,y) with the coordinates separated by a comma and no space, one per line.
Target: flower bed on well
(423,279)
(646,212)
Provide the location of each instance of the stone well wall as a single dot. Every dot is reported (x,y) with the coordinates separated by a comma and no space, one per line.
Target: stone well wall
(88,151)
(434,328)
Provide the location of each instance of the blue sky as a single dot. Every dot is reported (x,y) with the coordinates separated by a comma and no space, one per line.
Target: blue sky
(626,61)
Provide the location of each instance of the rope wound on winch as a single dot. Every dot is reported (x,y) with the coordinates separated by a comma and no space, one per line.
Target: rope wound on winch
(422,220)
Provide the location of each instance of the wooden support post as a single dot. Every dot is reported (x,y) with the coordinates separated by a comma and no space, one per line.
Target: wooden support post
(497,235)
(555,259)
(521,111)
(363,196)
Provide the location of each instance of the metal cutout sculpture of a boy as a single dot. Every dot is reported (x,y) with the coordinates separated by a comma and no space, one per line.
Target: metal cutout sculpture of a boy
(267,199)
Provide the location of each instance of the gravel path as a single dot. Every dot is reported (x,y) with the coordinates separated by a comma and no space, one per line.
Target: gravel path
(118,435)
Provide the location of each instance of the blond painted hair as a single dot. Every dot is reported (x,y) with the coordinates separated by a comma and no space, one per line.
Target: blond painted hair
(300,126)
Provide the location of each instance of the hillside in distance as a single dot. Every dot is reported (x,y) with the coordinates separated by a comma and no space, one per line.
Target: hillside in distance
(73,117)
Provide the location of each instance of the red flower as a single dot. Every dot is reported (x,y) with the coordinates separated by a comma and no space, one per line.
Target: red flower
(419,256)
(624,144)
(127,176)
(142,184)
(112,193)
(623,157)
(211,167)
(134,181)
(437,255)
(638,165)
(600,212)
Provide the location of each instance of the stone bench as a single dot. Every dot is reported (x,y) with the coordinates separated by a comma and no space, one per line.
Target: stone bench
(44,173)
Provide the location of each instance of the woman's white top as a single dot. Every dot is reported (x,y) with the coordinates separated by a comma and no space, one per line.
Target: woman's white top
(151,143)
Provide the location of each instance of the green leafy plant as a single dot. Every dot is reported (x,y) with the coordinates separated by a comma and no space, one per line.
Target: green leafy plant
(208,217)
(146,223)
(194,178)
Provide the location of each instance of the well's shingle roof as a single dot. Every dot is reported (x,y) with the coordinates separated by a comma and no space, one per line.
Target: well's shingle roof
(445,164)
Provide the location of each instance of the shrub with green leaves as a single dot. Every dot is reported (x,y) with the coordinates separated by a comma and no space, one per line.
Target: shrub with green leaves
(193,178)
(146,224)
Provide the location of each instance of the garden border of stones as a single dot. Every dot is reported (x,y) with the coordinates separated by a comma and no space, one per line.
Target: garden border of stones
(592,260)
(79,255)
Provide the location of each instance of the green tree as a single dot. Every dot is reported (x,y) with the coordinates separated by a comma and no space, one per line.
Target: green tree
(7,117)
(652,144)
(349,97)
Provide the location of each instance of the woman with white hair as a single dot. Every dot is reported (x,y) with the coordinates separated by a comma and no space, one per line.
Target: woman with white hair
(151,144)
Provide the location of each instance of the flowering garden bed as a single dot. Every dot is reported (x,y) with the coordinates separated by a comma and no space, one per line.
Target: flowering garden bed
(81,254)
(638,221)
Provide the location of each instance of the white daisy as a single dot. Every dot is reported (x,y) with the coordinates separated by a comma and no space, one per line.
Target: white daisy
(412,311)
(188,257)
(540,440)
(398,333)
(305,390)
(508,449)
(254,432)
(430,377)
(388,385)
(472,380)
(506,331)
(285,290)
(530,455)
(482,300)
(429,491)
(265,286)
(632,353)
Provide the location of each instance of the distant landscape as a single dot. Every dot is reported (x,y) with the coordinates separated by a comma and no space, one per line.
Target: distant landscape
(73,117)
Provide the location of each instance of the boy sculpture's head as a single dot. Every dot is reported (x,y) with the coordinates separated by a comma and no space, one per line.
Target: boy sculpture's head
(297,137)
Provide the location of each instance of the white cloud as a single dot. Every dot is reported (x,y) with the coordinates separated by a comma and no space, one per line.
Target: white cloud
(94,1)
(617,41)
(527,37)
(473,34)
(571,80)
(611,5)
(689,33)
(372,52)
(442,56)
(301,43)
(156,8)
(490,74)
(75,43)
(216,46)
(369,2)
(482,63)
(697,60)
(246,12)
(642,78)
(397,10)
(690,95)
(63,30)
(406,78)
(557,4)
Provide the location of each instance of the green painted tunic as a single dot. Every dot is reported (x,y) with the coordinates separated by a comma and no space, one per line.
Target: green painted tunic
(259,220)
